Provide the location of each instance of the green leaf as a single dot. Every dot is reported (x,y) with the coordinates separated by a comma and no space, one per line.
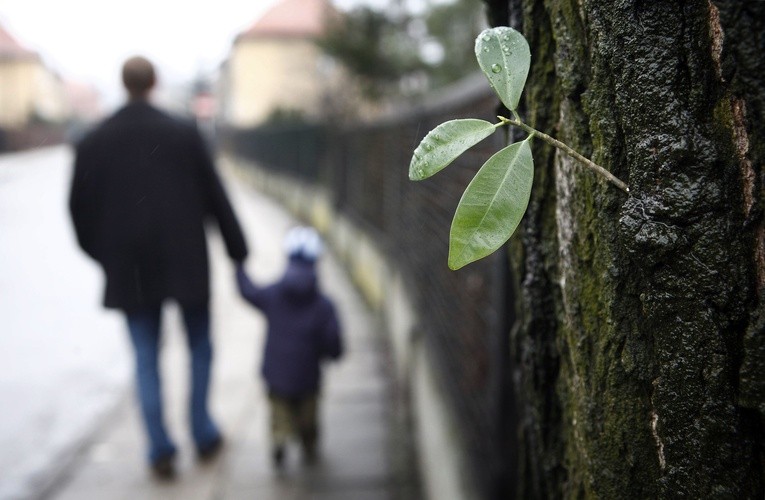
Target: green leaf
(492,206)
(445,143)
(503,55)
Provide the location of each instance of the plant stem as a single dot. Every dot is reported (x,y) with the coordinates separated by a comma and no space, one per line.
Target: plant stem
(568,150)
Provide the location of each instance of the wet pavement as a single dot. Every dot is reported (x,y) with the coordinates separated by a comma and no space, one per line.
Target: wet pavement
(63,359)
(106,458)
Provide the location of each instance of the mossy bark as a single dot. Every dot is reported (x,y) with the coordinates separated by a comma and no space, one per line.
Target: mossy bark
(640,347)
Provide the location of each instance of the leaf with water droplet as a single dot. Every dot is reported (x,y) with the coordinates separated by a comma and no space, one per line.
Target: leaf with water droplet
(507,49)
(492,206)
(445,143)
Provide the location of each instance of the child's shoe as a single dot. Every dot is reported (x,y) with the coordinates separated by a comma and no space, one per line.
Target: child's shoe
(277,455)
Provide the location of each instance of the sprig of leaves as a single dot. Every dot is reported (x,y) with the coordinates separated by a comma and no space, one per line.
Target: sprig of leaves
(495,201)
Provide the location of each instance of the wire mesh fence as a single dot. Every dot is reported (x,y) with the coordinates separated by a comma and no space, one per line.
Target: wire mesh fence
(464,315)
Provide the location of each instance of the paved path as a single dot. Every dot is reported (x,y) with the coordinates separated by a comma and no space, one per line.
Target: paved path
(63,359)
(355,410)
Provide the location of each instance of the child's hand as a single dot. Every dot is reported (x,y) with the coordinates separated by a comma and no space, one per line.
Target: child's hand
(241,276)
(247,289)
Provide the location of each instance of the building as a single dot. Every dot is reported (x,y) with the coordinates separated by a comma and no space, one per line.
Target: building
(29,91)
(275,70)
(84,102)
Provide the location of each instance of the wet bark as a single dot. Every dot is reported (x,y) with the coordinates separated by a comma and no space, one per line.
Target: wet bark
(641,341)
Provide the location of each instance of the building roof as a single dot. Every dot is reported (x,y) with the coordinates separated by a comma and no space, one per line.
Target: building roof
(292,18)
(11,49)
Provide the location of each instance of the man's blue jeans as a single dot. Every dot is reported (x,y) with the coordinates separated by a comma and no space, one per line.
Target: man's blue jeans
(144,327)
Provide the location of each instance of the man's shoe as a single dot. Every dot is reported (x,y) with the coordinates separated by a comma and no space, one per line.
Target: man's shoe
(164,468)
(210,451)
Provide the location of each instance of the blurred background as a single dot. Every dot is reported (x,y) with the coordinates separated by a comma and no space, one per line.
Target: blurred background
(306,87)
(60,62)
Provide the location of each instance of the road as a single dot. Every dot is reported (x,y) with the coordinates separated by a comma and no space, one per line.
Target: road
(64,359)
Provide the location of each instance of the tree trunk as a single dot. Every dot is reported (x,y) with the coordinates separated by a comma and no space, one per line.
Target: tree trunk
(640,346)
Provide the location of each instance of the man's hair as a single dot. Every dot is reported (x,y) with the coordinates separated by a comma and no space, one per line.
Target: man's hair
(138,76)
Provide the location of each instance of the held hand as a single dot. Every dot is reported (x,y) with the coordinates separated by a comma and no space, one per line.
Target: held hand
(247,289)
(239,267)
(241,276)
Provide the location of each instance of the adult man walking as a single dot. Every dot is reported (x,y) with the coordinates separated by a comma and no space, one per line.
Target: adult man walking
(142,189)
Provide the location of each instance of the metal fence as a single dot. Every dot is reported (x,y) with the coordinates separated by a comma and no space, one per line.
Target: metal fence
(31,136)
(465,315)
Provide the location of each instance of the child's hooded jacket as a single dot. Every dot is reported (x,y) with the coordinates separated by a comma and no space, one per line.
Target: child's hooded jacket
(302,329)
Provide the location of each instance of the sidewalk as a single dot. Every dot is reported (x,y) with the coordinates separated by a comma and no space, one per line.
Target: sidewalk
(356,426)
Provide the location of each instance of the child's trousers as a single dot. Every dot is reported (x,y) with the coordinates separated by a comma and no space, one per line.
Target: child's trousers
(294,417)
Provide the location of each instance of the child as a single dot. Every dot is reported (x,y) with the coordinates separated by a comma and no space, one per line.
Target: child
(303,329)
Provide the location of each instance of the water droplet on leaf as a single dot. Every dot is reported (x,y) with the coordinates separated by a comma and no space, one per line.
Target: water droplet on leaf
(496,68)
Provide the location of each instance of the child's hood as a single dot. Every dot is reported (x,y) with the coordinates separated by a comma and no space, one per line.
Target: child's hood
(299,280)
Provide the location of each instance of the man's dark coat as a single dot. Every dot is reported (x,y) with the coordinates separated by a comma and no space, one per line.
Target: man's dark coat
(143,188)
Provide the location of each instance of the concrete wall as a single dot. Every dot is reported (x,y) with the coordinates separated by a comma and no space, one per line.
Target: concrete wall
(439,454)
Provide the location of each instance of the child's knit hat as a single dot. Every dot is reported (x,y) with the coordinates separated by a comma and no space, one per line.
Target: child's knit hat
(303,243)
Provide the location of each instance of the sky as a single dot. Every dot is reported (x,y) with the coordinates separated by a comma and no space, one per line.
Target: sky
(87,40)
